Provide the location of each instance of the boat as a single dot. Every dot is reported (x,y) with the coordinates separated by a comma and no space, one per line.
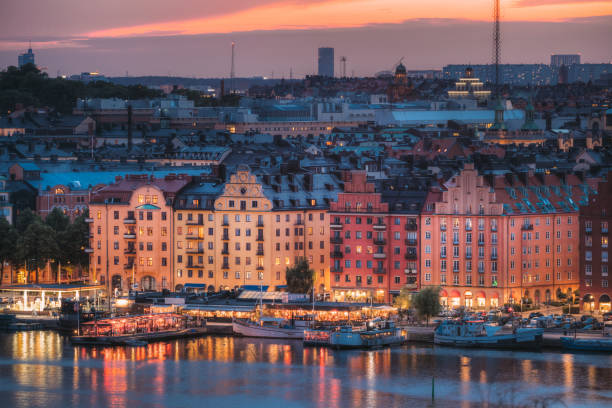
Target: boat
(137,330)
(587,344)
(269,327)
(476,333)
(381,334)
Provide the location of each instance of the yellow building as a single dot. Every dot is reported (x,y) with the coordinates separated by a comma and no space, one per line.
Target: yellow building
(246,232)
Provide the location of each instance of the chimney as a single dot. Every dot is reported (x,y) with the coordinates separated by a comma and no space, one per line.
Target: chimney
(129,124)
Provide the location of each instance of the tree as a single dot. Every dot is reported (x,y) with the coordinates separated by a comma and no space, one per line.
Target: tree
(427,302)
(24,219)
(57,220)
(300,278)
(8,245)
(36,246)
(404,300)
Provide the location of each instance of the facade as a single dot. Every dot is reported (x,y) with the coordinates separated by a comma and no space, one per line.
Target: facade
(469,87)
(246,232)
(374,250)
(131,232)
(326,62)
(26,58)
(595,220)
(6,208)
(556,60)
(71,199)
(288,130)
(514,238)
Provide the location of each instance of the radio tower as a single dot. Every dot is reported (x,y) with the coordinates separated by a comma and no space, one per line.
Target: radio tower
(498,124)
(232,72)
(496,45)
(343,60)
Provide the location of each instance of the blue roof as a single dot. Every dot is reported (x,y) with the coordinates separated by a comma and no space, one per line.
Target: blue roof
(147,207)
(474,115)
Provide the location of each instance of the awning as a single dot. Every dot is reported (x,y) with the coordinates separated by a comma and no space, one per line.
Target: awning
(263,288)
(281,287)
(481,295)
(455,294)
(494,295)
(195,285)
(443,293)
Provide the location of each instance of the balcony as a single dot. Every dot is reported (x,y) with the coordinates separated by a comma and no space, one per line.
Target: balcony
(88,250)
(380,226)
(335,225)
(260,224)
(128,266)
(468,227)
(379,255)
(336,254)
(379,241)
(411,241)
(480,270)
(336,269)
(130,251)
(455,242)
(442,227)
(589,230)
(527,227)
(468,256)
(129,236)
(195,250)
(381,271)
(225,251)
(494,257)
(194,237)
(225,223)
(481,243)
(604,230)
(225,266)
(225,237)
(411,255)
(195,265)
(443,255)
(411,226)
(259,238)
(196,222)
(493,228)
(259,252)
(336,240)
(410,271)
(260,268)
(129,220)
(299,222)
(89,220)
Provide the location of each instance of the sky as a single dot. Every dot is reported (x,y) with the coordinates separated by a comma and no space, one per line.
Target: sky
(274,37)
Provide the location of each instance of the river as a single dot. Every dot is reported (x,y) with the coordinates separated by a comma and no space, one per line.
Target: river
(42,369)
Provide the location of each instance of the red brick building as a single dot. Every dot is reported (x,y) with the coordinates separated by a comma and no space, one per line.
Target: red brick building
(374,248)
(595,220)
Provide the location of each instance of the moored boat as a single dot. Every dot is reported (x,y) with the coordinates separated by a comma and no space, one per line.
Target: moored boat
(381,335)
(270,327)
(137,330)
(598,344)
(478,334)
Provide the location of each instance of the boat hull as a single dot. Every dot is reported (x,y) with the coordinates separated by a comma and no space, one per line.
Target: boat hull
(509,341)
(595,345)
(130,339)
(352,340)
(252,330)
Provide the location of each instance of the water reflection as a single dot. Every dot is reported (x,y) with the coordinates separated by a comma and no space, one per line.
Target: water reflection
(43,369)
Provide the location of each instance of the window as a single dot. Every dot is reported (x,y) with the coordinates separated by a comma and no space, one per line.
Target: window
(428,277)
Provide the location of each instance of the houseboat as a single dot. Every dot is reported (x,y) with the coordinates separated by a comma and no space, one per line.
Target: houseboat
(270,327)
(478,334)
(133,330)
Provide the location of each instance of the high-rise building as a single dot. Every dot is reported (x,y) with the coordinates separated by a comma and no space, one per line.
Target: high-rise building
(556,60)
(326,61)
(26,58)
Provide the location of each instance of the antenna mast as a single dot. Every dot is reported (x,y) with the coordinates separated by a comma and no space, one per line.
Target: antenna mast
(343,60)
(232,72)
(496,45)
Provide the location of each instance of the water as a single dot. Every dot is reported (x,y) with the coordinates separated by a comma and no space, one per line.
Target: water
(42,369)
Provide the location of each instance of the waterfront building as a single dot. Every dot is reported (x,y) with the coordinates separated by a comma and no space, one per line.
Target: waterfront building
(326,62)
(131,232)
(374,248)
(595,221)
(246,232)
(514,238)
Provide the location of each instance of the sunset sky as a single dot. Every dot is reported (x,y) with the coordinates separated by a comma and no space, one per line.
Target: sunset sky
(192,37)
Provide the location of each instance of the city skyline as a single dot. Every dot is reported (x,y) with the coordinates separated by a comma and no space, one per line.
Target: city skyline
(144,43)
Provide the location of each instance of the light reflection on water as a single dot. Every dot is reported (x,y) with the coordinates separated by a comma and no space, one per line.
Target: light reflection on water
(43,369)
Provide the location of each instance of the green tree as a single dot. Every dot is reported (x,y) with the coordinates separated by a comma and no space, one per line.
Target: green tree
(300,278)
(8,245)
(427,302)
(36,246)
(57,220)
(404,300)
(24,219)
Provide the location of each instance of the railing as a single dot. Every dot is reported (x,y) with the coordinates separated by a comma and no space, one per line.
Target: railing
(299,222)
(493,257)
(336,269)
(259,238)
(88,250)
(225,251)
(493,228)
(260,224)
(468,227)
(468,256)
(527,227)
(128,266)
(335,225)
(259,268)
(336,254)
(379,255)
(195,250)
(379,270)
(196,222)
(481,243)
(380,226)
(225,237)
(225,266)
(411,226)
(410,271)
(129,236)
(379,241)
(336,240)
(259,252)
(442,227)
(588,230)
(411,241)
(225,224)
(130,251)
(129,220)
(411,255)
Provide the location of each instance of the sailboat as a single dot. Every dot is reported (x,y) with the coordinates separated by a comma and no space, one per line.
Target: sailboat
(269,327)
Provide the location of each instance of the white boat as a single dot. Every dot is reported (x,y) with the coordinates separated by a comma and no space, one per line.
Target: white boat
(385,334)
(270,327)
(478,334)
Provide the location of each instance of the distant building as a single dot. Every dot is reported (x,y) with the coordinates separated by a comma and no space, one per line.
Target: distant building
(26,58)
(326,61)
(556,60)
(469,87)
